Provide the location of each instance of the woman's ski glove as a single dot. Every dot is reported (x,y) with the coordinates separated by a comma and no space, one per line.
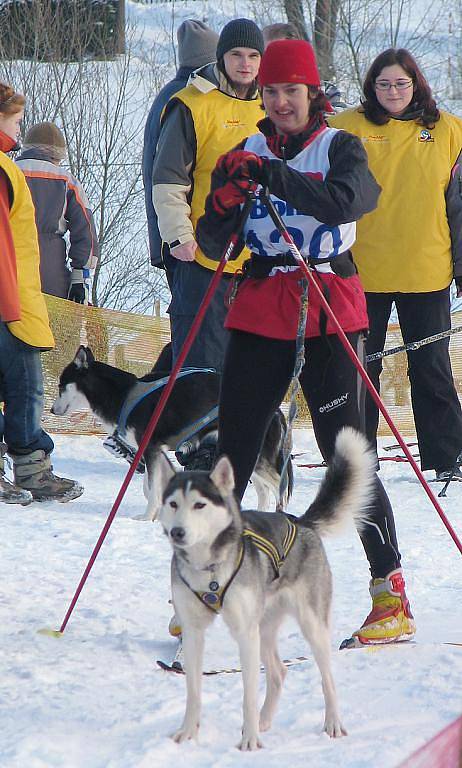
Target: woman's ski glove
(239,164)
(233,193)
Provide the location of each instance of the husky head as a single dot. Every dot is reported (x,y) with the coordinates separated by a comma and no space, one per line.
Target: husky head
(198,507)
(71,397)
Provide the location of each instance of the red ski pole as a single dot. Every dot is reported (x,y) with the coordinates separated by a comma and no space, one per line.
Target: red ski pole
(282,229)
(158,410)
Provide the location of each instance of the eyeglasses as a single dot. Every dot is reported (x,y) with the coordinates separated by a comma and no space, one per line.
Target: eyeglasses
(400,85)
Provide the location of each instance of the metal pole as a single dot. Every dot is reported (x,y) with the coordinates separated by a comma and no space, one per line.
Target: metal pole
(356,362)
(161,403)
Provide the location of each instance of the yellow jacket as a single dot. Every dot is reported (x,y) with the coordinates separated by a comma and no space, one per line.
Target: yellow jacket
(405,245)
(207,123)
(33,327)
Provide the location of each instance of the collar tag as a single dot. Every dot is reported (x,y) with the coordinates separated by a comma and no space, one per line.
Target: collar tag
(210,598)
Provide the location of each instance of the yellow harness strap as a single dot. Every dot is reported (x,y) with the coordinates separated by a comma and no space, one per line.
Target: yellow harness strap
(270,549)
(214,596)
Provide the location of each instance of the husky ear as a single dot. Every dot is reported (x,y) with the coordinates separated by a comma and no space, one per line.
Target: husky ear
(166,471)
(90,355)
(81,358)
(222,476)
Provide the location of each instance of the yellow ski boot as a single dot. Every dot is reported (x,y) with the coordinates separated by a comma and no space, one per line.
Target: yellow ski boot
(390,620)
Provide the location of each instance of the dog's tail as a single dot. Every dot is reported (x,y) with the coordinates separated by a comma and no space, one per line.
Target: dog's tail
(347,488)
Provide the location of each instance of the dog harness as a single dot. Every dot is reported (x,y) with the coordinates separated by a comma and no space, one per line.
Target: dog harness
(213,597)
(142,389)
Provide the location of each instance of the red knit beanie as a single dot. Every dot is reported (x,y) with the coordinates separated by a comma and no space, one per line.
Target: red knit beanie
(289,61)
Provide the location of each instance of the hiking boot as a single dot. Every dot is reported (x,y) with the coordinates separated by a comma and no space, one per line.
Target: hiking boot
(174,627)
(117,446)
(9,492)
(203,458)
(184,451)
(443,475)
(391,619)
(34,473)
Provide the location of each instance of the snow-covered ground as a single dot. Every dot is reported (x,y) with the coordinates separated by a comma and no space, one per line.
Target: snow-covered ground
(95,698)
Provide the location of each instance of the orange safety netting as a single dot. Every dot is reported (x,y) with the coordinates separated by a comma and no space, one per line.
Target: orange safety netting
(133,342)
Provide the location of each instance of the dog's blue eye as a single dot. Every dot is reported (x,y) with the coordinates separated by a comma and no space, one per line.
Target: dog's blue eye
(174,505)
(199,505)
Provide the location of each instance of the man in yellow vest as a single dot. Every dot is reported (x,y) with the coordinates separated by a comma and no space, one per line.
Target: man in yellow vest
(219,107)
(24,332)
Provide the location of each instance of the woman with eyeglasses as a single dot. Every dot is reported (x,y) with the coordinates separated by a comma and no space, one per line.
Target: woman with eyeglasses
(409,249)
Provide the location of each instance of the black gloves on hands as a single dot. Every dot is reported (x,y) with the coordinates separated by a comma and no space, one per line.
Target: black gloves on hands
(78,292)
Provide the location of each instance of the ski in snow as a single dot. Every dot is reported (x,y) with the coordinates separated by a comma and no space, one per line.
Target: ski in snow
(176,665)
(353,642)
(397,445)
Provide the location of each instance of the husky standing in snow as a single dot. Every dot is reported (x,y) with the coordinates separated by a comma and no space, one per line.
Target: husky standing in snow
(89,384)
(256,568)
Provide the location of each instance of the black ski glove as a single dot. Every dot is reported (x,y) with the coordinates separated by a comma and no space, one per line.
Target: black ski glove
(77,293)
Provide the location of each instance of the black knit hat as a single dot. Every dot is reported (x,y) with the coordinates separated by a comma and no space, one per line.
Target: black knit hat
(240,33)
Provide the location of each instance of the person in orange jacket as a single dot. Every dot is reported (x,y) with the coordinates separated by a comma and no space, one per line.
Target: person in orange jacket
(24,331)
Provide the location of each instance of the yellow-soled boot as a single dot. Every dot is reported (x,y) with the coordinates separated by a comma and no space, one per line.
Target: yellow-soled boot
(390,620)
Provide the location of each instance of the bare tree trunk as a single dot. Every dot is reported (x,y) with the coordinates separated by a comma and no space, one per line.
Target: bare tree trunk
(294,13)
(325,30)
(119,31)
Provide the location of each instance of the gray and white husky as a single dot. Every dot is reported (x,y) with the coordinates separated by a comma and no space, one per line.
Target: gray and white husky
(256,568)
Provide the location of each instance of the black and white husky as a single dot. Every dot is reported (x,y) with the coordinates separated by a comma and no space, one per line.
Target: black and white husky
(256,568)
(88,384)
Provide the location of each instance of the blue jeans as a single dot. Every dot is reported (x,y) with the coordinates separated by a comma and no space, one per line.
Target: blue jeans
(188,283)
(21,390)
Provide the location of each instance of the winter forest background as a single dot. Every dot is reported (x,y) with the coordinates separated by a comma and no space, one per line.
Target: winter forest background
(102,104)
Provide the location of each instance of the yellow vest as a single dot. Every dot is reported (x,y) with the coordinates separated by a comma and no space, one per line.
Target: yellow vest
(405,244)
(220,122)
(33,327)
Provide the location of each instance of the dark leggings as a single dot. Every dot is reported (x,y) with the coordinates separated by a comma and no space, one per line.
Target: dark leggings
(257,374)
(435,404)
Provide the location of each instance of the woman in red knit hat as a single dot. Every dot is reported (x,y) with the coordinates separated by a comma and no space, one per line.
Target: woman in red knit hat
(319,181)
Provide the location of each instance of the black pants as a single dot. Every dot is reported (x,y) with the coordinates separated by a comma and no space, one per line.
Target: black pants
(256,377)
(436,407)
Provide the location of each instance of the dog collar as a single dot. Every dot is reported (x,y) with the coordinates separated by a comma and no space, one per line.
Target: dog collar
(214,596)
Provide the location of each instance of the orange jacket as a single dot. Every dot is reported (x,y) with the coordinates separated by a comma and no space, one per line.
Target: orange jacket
(9,295)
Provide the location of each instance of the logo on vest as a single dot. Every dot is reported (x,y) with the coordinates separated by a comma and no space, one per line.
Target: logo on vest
(425,136)
(260,211)
(377,139)
(336,403)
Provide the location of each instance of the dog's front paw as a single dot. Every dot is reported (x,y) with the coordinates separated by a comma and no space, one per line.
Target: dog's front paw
(249,742)
(185,733)
(333,727)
